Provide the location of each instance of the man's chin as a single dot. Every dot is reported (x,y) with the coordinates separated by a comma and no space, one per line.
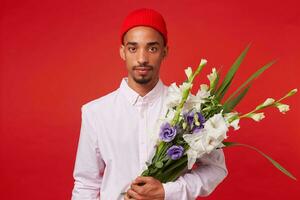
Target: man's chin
(142,81)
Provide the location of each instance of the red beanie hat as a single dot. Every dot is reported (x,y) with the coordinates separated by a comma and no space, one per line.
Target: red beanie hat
(145,17)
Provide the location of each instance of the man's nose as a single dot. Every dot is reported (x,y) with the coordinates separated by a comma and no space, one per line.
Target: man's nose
(142,57)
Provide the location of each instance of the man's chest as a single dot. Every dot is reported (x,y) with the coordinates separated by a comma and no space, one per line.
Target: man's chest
(129,131)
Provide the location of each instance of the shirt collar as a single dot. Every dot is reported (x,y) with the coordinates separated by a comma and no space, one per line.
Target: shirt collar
(135,99)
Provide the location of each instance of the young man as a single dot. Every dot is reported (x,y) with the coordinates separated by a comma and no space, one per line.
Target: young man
(115,132)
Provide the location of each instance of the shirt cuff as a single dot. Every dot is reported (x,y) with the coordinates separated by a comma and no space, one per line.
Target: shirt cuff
(172,190)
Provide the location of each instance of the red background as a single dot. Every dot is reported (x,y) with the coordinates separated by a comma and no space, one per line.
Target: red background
(58,55)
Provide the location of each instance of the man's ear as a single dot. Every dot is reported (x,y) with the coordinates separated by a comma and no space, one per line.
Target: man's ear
(122,52)
(166,51)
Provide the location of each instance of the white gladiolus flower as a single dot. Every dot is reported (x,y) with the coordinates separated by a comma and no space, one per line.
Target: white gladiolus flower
(268,101)
(197,147)
(235,122)
(216,127)
(208,139)
(257,116)
(203,62)
(203,92)
(170,115)
(283,108)
(212,76)
(174,96)
(154,137)
(190,103)
(185,86)
(188,71)
(230,115)
(197,100)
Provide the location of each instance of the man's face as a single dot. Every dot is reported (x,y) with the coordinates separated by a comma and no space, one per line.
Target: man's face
(143,51)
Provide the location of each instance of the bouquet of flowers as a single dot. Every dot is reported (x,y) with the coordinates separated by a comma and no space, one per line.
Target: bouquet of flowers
(195,125)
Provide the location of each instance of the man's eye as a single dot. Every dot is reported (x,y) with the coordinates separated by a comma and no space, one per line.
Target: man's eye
(132,49)
(153,49)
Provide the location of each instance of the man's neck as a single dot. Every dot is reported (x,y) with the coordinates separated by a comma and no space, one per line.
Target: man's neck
(142,89)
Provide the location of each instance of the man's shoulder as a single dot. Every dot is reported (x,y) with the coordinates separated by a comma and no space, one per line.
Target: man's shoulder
(100,103)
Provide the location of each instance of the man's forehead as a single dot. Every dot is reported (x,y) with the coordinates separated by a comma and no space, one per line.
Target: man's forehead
(143,35)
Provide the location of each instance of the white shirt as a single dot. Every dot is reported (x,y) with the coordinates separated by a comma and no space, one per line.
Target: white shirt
(115,142)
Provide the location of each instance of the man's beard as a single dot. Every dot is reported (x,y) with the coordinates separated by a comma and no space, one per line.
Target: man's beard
(144,80)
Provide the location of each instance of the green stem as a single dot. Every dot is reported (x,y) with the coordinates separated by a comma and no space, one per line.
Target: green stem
(186,94)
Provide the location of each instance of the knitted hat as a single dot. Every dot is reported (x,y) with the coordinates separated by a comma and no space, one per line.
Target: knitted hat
(145,17)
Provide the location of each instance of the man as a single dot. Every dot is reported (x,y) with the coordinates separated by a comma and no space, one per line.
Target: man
(115,133)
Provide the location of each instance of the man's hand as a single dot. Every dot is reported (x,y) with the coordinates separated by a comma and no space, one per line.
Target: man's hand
(145,188)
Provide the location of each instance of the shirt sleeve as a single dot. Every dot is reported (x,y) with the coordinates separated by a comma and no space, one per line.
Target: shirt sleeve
(201,181)
(89,164)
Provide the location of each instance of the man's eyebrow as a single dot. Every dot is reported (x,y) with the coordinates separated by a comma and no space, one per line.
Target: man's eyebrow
(131,43)
(148,44)
(152,43)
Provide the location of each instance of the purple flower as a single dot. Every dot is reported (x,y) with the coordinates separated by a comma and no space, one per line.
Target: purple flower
(190,119)
(175,152)
(167,132)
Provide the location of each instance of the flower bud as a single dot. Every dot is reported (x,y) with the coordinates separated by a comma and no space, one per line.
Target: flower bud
(292,92)
(188,71)
(257,116)
(283,108)
(203,62)
(212,77)
(268,101)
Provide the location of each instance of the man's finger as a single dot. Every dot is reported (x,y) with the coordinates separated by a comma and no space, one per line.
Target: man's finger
(134,195)
(143,179)
(126,197)
(138,189)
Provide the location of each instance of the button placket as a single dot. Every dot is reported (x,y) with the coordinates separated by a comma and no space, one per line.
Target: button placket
(143,132)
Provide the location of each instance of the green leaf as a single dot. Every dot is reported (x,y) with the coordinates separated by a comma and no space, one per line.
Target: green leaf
(229,106)
(176,173)
(173,172)
(230,74)
(276,164)
(220,96)
(176,164)
(252,77)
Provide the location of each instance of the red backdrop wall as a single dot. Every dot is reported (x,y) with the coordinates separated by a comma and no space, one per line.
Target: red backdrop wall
(57,55)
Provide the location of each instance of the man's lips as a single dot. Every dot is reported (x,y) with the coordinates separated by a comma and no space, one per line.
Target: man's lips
(143,70)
